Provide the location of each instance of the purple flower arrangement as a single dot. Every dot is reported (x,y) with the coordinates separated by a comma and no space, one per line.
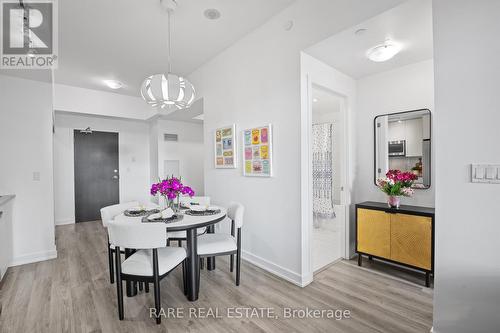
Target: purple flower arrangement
(171,188)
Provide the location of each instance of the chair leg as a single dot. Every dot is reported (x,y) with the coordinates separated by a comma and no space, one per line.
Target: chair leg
(146,287)
(156,283)
(119,287)
(238,268)
(202,261)
(238,258)
(180,242)
(168,242)
(111,265)
(157,300)
(141,286)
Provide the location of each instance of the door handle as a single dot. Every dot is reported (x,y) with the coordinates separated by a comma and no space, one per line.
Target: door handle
(115,177)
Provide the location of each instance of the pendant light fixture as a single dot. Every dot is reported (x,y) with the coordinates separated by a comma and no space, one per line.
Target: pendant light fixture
(165,90)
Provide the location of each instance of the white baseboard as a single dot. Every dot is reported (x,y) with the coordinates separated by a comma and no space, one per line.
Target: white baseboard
(66,221)
(274,269)
(34,257)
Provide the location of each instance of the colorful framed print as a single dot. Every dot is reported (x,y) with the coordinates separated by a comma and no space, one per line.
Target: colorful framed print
(257,151)
(225,147)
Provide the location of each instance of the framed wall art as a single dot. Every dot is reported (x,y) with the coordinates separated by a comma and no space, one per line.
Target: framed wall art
(225,147)
(258,152)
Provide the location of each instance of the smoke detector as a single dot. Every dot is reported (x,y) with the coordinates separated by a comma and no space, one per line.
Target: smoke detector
(212,14)
(288,25)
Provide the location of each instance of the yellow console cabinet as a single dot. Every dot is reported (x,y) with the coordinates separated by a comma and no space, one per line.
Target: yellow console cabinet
(404,236)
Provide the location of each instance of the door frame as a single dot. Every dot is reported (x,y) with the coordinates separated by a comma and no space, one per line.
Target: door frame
(321,75)
(343,172)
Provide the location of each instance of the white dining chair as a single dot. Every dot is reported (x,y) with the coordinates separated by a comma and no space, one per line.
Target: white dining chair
(203,201)
(180,236)
(108,213)
(150,264)
(219,244)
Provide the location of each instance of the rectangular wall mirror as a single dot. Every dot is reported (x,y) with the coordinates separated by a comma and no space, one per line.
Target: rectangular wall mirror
(403,142)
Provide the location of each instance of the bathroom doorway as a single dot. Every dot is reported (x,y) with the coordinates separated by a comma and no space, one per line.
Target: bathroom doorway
(327,177)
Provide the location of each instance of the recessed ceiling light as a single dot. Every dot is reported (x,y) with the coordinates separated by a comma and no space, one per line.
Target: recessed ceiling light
(113,84)
(384,52)
(315,100)
(212,14)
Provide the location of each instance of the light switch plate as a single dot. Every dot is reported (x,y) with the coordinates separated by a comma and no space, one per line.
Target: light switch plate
(485,173)
(36,176)
(491,172)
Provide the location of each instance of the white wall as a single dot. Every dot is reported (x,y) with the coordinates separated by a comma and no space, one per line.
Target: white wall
(467,282)
(6,210)
(189,151)
(406,88)
(101,103)
(134,159)
(254,82)
(26,148)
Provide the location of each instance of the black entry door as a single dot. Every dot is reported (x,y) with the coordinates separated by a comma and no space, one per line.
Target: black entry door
(96,173)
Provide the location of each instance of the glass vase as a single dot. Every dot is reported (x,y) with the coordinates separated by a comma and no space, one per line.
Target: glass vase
(174,204)
(393,201)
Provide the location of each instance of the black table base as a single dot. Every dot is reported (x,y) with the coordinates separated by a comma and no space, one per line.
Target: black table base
(192,265)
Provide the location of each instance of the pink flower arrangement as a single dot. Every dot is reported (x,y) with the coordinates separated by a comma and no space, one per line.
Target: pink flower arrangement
(171,188)
(397,183)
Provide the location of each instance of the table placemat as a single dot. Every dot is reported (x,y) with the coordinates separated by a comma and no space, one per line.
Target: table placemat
(204,213)
(129,213)
(175,218)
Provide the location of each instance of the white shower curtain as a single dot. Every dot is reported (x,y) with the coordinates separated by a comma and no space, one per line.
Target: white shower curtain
(322,172)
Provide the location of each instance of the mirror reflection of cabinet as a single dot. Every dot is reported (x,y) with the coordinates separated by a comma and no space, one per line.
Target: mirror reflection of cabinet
(403,142)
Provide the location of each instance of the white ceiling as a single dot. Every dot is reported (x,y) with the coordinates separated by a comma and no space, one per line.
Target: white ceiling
(127,39)
(409,24)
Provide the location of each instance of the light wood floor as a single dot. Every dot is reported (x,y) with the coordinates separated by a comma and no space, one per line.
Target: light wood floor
(72,294)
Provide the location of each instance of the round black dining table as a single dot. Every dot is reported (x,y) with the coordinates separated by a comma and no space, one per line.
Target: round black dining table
(190,224)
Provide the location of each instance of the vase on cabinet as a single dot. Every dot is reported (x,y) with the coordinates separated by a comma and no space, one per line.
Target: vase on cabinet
(393,201)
